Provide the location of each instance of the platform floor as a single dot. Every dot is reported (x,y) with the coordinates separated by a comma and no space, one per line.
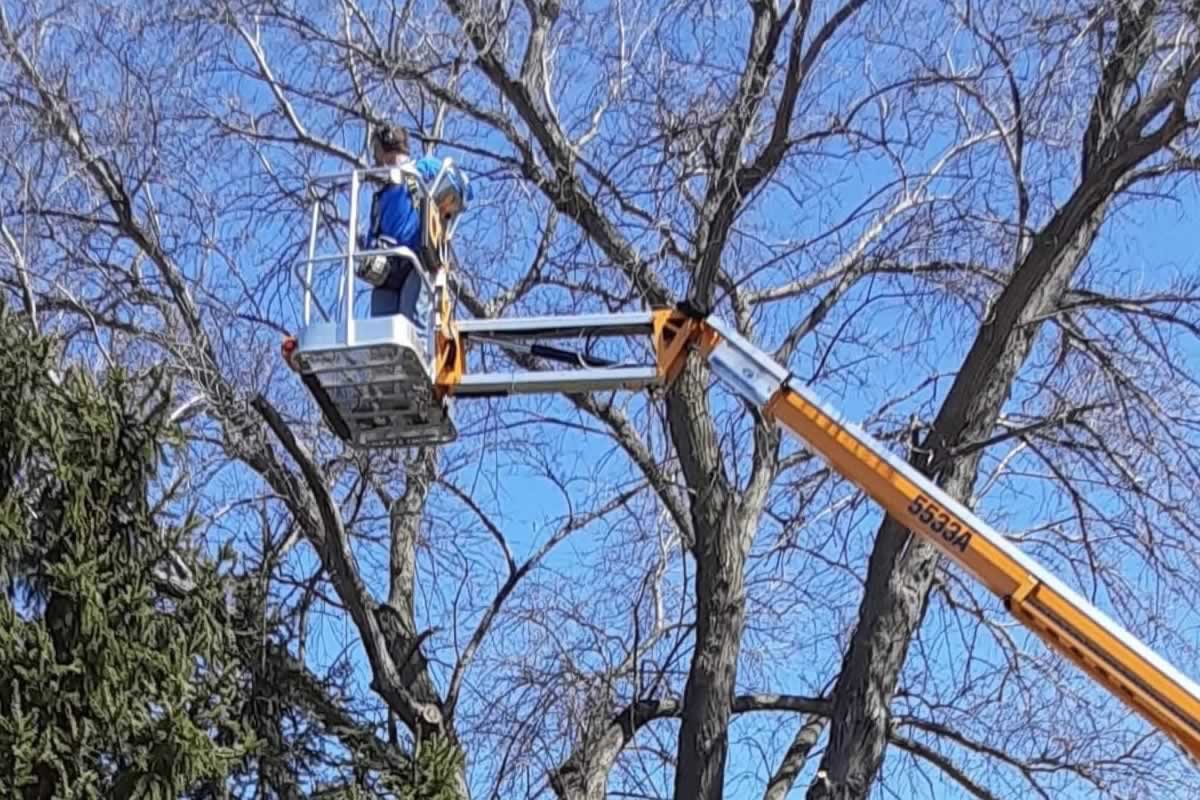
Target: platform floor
(378,391)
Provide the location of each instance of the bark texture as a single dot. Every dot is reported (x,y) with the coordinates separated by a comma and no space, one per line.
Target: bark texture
(720,594)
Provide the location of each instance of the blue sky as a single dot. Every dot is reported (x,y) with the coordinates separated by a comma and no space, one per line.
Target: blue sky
(802,595)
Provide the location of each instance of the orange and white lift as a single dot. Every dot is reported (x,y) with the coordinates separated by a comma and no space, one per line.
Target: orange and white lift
(379,386)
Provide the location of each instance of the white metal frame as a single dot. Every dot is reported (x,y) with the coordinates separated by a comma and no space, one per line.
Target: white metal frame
(346,294)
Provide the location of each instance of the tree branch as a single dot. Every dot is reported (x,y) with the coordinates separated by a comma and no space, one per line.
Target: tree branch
(339,562)
(942,763)
(564,189)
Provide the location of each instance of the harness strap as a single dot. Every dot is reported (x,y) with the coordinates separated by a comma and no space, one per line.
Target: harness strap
(409,181)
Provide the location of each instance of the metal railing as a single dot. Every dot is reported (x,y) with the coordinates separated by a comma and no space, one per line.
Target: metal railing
(346,282)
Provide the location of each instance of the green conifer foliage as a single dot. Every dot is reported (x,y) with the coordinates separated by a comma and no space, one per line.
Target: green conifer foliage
(109,686)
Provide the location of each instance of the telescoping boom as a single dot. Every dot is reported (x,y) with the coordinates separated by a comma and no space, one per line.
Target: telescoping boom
(380,385)
(1068,623)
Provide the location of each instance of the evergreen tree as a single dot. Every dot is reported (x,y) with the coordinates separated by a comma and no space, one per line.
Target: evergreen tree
(115,681)
(110,687)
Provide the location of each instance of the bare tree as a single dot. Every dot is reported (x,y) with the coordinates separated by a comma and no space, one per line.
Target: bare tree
(1128,138)
(907,203)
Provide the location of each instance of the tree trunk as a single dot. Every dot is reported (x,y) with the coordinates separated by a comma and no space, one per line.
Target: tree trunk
(720,617)
(720,552)
(898,578)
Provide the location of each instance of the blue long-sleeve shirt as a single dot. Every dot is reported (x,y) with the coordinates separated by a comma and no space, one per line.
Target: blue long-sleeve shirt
(396,214)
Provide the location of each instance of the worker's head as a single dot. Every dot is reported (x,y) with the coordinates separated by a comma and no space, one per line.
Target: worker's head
(390,143)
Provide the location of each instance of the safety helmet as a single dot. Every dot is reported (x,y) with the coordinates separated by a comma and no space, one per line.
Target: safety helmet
(453,191)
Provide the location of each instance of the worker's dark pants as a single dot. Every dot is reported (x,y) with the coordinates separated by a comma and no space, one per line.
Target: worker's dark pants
(404,293)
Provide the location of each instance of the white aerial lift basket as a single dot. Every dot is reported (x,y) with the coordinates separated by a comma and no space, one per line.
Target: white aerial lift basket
(371,375)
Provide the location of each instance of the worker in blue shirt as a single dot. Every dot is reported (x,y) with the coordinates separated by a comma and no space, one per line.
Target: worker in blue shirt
(396,222)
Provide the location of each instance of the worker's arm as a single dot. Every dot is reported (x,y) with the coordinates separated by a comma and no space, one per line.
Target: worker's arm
(1064,620)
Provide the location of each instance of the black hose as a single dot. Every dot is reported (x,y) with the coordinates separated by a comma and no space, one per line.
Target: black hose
(568,357)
